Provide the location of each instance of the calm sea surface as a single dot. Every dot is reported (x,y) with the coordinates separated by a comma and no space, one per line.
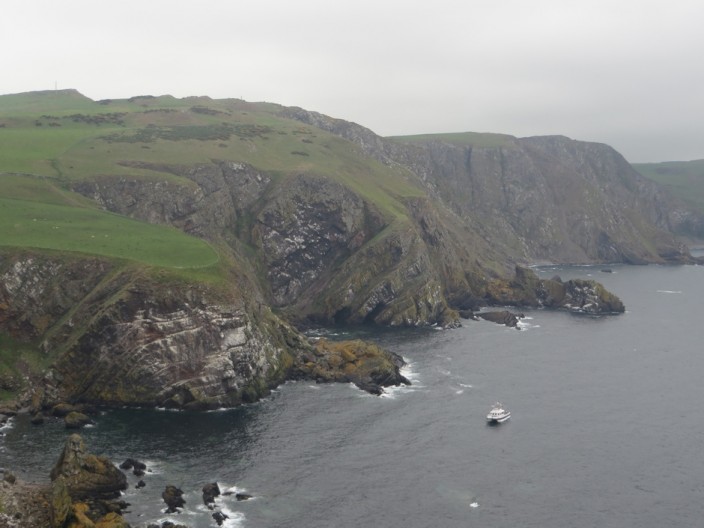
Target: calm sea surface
(606,430)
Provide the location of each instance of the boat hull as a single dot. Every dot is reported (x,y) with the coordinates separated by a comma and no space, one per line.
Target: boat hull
(500,419)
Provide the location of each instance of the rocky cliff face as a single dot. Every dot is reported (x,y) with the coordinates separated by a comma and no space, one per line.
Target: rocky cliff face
(122,337)
(330,255)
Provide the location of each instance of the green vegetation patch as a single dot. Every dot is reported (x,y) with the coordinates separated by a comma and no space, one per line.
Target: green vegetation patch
(17,360)
(473,139)
(684,179)
(25,223)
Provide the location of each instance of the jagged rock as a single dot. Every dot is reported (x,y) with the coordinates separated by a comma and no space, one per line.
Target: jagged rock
(138,467)
(366,365)
(220,517)
(76,420)
(140,484)
(87,475)
(576,295)
(173,497)
(37,419)
(9,477)
(84,487)
(243,496)
(503,317)
(210,491)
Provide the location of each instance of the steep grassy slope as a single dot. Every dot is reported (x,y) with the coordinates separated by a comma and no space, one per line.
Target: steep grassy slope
(684,179)
(35,213)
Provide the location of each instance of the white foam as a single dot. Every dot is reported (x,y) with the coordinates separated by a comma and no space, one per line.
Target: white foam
(460,391)
(668,291)
(7,425)
(474,504)
(465,385)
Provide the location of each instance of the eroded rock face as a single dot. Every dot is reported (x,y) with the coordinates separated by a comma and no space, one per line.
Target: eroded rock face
(144,351)
(308,226)
(130,340)
(219,195)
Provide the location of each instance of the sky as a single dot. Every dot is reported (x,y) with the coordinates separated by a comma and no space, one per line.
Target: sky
(628,73)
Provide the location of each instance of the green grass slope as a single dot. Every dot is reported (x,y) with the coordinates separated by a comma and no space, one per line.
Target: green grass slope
(684,179)
(36,213)
(51,139)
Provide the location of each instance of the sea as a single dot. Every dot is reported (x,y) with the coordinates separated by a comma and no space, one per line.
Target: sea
(606,428)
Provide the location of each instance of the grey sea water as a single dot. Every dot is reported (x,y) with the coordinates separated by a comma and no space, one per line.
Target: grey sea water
(606,428)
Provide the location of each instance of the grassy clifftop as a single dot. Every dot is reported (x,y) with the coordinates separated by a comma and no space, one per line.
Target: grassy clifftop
(51,140)
(684,179)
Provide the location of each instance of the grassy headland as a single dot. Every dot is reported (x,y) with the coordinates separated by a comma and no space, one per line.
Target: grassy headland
(684,179)
(51,139)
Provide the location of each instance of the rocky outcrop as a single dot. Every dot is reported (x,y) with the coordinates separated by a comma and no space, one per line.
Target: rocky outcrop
(84,487)
(305,229)
(85,475)
(576,295)
(132,339)
(368,366)
(204,200)
(173,497)
(504,317)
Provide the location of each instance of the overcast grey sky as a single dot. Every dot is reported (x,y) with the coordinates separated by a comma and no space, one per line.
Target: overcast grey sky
(624,72)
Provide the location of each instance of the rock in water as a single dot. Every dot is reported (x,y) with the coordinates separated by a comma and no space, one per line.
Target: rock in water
(210,491)
(220,517)
(503,317)
(76,420)
(87,476)
(173,497)
(367,365)
(83,486)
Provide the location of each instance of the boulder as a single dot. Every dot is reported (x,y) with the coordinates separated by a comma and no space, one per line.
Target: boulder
(76,420)
(503,317)
(210,491)
(173,497)
(220,517)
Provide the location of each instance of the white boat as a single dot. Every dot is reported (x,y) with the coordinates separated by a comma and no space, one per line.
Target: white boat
(498,414)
